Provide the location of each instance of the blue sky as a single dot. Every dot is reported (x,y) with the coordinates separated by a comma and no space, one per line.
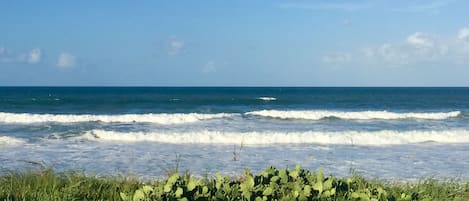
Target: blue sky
(235,43)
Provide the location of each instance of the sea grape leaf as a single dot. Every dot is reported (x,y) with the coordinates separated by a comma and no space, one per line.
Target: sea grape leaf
(179,192)
(172,179)
(167,188)
(204,190)
(320,175)
(191,185)
(124,196)
(294,174)
(147,189)
(138,195)
(328,184)
(307,190)
(318,186)
(268,191)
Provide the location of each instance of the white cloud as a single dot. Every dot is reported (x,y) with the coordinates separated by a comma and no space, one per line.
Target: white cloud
(176,46)
(420,40)
(464,34)
(66,60)
(34,56)
(417,48)
(338,57)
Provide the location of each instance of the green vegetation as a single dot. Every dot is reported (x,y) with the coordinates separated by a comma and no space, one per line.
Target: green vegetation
(272,184)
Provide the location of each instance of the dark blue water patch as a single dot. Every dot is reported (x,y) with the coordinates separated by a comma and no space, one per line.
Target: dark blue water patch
(118,100)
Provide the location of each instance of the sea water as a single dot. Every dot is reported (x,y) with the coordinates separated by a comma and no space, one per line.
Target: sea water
(385,133)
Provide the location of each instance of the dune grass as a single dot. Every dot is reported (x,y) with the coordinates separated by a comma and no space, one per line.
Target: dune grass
(272,184)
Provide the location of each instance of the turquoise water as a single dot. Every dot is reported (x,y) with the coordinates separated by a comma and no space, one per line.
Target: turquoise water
(379,132)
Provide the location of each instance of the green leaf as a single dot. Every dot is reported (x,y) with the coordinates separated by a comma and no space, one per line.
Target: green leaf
(294,174)
(167,188)
(302,198)
(355,195)
(333,191)
(283,176)
(139,195)
(268,191)
(172,179)
(307,190)
(219,177)
(328,184)
(204,190)
(326,194)
(124,196)
(318,186)
(179,192)
(296,194)
(248,183)
(147,189)
(191,185)
(320,175)
(274,179)
(247,195)
(349,181)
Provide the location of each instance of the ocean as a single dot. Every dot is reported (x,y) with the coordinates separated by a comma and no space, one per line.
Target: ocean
(385,133)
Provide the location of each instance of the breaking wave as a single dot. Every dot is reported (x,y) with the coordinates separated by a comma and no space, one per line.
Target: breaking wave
(10,141)
(362,115)
(265,98)
(162,118)
(365,138)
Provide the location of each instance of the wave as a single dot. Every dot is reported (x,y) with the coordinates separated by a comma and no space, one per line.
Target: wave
(362,115)
(265,98)
(365,138)
(10,141)
(162,118)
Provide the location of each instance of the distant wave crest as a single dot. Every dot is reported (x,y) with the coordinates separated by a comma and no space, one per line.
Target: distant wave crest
(10,141)
(365,138)
(162,118)
(361,115)
(265,98)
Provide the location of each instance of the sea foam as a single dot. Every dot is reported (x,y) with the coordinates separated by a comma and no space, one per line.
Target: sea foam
(266,98)
(365,138)
(360,115)
(10,141)
(162,118)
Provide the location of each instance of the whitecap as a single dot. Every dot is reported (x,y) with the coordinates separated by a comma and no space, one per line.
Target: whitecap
(161,118)
(357,115)
(364,138)
(265,98)
(10,141)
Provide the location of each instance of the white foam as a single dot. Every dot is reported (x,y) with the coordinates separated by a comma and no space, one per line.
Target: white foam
(264,98)
(361,115)
(374,138)
(162,118)
(10,141)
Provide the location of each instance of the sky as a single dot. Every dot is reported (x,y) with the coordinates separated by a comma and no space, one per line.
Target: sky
(234,43)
